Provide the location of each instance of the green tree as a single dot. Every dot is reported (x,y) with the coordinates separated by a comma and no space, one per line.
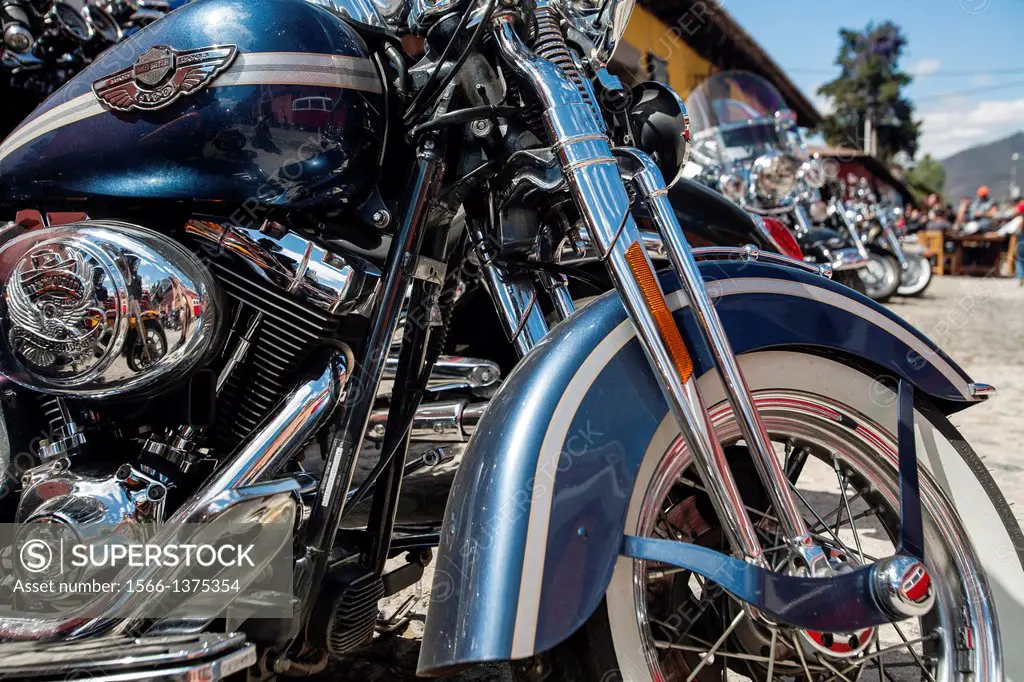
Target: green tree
(870,86)
(928,176)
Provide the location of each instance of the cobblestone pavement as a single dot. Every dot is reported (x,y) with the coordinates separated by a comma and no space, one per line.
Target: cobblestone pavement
(979,322)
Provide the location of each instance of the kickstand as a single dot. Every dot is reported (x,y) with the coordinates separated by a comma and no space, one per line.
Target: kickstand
(400,618)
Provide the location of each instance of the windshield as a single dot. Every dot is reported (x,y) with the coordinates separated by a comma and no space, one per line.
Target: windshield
(737,115)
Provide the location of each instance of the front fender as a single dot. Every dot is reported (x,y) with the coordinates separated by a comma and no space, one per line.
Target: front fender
(535,517)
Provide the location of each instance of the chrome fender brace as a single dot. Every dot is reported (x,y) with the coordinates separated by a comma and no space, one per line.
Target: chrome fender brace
(894,588)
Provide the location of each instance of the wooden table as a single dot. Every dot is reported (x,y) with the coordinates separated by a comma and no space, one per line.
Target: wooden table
(980,254)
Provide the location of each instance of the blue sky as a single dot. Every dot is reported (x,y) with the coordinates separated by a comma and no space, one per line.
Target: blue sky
(953,46)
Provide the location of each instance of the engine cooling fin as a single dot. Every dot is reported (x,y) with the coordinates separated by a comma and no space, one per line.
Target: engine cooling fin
(288,331)
(346,612)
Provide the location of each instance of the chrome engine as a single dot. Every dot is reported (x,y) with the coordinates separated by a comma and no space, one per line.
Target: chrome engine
(110,332)
(107,327)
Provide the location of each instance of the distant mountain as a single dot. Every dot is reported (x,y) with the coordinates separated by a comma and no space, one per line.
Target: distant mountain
(987,164)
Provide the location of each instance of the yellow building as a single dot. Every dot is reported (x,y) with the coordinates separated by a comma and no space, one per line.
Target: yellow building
(682,42)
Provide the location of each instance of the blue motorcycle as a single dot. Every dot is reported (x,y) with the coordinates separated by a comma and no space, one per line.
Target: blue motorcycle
(264,269)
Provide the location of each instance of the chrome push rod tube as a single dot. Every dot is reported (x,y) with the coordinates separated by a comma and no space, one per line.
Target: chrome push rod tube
(650,185)
(592,172)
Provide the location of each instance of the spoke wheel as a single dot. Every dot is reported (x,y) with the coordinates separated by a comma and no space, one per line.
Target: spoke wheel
(917,277)
(881,276)
(848,492)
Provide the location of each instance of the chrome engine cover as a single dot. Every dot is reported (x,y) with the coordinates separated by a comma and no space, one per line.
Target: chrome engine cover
(84,507)
(96,309)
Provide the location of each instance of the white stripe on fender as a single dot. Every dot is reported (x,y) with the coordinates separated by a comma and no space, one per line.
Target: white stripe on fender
(258,68)
(544,484)
(530,585)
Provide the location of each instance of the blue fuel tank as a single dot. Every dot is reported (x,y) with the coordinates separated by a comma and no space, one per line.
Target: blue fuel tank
(273,102)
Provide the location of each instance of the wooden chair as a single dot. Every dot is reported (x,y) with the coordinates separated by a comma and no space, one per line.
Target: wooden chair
(1011,255)
(934,251)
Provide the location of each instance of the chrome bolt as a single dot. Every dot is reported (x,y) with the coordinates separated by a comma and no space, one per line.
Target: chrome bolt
(123,472)
(156,492)
(481,128)
(381,218)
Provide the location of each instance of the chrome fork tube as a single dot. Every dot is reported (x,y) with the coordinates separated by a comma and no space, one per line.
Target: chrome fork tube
(650,185)
(803,218)
(893,241)
(851,229)
(593,174)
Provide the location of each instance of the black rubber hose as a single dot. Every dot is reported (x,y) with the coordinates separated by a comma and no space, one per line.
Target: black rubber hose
(474,41)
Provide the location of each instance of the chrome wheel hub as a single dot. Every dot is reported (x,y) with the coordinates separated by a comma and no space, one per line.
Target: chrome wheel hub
(695,631)
(839,644)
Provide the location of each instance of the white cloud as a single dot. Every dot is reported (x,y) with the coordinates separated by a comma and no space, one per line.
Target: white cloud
(982,79)
(822,103)
(959,124)
(923,68)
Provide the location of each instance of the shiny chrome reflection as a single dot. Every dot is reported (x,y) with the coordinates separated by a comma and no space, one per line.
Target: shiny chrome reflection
(102,308)
(202,656)
(332,282)
(450,373)
(444,421)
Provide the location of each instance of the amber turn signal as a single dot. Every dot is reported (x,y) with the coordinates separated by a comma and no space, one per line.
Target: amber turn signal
(656,303)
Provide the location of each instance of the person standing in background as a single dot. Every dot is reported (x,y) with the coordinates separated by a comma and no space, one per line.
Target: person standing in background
(1020,243)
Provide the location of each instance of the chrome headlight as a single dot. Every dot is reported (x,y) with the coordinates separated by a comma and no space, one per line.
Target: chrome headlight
(812,172)
(774,176)
(733,187)
(97,309)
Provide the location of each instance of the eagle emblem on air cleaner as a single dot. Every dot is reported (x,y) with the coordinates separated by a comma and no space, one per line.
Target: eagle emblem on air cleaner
(53,309)
(161,75)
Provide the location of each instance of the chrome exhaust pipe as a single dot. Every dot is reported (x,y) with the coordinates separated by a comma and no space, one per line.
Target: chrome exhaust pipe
(243,479)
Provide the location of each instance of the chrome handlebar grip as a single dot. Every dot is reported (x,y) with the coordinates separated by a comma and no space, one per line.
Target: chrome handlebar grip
(586,158)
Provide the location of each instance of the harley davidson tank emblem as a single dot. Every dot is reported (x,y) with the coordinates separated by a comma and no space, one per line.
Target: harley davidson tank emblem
(162,75)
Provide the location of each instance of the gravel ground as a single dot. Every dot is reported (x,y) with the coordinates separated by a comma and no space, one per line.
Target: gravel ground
(979,322)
